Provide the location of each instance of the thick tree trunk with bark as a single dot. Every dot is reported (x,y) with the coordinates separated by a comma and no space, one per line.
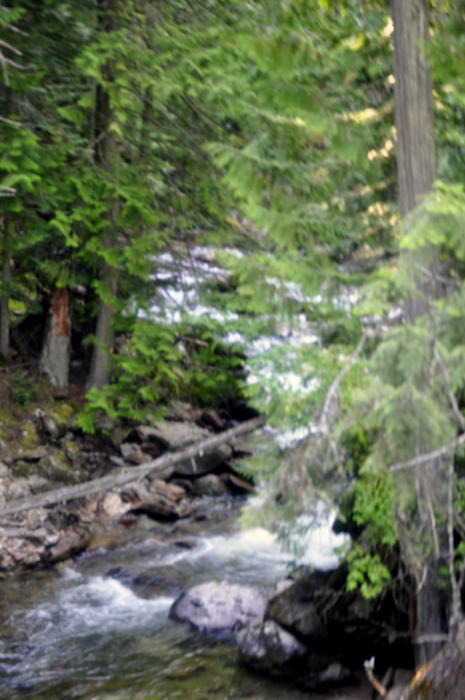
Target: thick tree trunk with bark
(107,157)
(416,168)
(414,116)
(54,358)
(4,298)
(416,150)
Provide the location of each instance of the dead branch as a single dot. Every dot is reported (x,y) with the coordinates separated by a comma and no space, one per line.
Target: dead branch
(368,666)
(7,191)
(11,26)
(13,63)
(332,393)
(11,48)
(127,475)
(10,121)
(4,69)
(429,456)
(452,399)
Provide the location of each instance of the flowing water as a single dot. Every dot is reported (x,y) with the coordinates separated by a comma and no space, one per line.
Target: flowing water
(79,633)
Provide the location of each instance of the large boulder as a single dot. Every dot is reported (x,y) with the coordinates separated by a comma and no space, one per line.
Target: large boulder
(269,648)
(333,622)
(176,435)
(219,606)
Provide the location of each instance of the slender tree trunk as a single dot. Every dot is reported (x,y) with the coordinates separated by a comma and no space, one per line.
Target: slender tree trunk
(107,157)
(4,298)
(6,261)
(99,373)
(416,168)
(54,358)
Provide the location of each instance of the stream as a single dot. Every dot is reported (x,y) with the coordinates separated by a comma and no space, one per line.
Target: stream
(77,632)
(99,628)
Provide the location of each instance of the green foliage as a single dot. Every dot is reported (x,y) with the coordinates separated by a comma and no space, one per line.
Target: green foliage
(367,572)
(156,363)
(22,388)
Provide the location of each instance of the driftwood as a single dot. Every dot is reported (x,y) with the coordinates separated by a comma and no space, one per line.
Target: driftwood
(125,476)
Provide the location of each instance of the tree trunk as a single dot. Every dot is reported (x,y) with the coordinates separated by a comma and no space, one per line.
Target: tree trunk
(99,373)
(107,157)
(414,117)
(416,168)
(4,298)
(54,358)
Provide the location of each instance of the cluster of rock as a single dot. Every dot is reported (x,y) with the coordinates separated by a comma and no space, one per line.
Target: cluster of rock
(311,629)
(52,454)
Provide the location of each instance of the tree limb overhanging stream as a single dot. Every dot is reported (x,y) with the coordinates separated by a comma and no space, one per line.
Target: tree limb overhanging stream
(106,483)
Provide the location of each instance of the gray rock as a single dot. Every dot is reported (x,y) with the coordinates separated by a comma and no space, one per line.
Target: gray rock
(127,448)
(46,424)
(18,489)
(177,435)
(333,676)
(117,461)
(294,609)
(209,485)
(268,647)
(38,484)
(219,606)
(31,455)
(4,471)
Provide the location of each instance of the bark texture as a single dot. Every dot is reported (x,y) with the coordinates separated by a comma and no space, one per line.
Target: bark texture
(99,373)
(416,151)
(414,117)
(416,169)
(107,157)
(54,358)
(4,311)
(444,677)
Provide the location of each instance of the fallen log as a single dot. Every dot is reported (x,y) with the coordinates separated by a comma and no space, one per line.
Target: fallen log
(125,476)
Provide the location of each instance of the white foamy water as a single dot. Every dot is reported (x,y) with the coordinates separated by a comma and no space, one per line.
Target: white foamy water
(98,605)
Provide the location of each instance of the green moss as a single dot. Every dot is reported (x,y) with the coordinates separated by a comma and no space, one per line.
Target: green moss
(30,438)
(62,414)
(21,469)
(72,451)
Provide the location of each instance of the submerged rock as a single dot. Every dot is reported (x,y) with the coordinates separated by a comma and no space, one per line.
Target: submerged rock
(333,676)
(219,606)
(269,648)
